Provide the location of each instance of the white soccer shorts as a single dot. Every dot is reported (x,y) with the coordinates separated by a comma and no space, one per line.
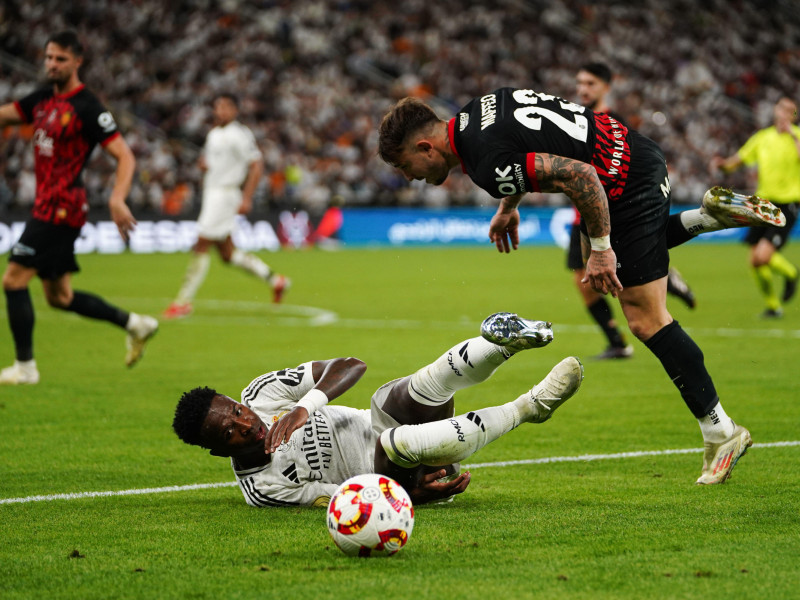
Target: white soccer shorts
(217,218)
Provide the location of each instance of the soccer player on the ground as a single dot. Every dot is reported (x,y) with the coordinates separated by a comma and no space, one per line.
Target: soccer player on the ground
(289,447)
(775,151)
(593,84)
(68,122)
(232,164)
(514,141)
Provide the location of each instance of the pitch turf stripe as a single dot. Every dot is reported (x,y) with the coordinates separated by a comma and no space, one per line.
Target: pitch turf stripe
(302,316)
(509,463)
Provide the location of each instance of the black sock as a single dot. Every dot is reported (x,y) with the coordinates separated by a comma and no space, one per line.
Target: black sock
(601,312)
(21,319)
(683,361)
(676,233)
(95,307)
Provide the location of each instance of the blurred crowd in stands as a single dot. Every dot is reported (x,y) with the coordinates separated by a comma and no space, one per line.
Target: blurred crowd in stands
(314,77)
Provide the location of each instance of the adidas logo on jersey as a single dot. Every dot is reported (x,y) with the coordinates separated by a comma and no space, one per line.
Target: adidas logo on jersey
(291,473)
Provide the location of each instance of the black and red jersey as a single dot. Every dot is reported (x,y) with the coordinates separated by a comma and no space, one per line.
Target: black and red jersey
(66,130)
(498,135)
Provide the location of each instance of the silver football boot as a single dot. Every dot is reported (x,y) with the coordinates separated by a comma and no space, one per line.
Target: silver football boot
(737,210)
(515,333)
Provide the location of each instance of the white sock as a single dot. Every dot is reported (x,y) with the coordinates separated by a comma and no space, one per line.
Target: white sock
(195,275)
(525,407)
(696,222)
(252,264)
(133,322)
(464,365)
(449,440)
(716,426)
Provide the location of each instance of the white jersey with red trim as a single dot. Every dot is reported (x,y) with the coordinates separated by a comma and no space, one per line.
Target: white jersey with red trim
(498,135)
(336,443)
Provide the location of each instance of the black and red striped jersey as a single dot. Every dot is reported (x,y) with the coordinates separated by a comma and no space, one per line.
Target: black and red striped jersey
(498,135)
(66,129)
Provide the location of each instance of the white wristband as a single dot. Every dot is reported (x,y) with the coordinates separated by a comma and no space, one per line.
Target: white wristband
(599,244)
(313,400)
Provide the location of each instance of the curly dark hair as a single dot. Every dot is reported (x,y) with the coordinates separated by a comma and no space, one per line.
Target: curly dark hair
(190,413)
(408,116)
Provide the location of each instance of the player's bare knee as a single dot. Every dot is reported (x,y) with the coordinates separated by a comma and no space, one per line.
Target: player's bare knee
(645,328)
(8,282)
(60,300)
(16,277)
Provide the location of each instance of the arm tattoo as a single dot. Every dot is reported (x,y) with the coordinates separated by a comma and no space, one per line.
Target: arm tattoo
(579,182)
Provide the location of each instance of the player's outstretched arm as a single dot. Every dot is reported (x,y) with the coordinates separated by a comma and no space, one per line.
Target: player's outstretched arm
(334,377)
(726,165)
(337,375)
(254,171)
(126,165)
(579,182)
(9,115)
(504,228)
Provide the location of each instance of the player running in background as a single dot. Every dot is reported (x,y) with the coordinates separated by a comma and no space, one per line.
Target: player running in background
(513,141)
(775,150)
(68,122)
(232,164)
(593,84)
(289,447)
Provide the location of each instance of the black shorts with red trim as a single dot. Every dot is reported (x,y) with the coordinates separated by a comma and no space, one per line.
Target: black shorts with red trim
(777,236)
(574,253)
(639,217)
(48,248)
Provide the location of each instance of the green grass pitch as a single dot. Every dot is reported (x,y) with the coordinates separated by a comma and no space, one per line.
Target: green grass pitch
(625,527)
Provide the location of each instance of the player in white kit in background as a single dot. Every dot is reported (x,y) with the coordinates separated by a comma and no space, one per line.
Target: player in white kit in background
(232,164)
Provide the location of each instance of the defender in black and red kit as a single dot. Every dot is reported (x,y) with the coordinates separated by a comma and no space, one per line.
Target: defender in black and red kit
(68,121)
(514,141)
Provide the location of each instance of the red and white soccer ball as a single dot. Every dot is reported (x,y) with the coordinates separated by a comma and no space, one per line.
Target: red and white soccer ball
(370,515)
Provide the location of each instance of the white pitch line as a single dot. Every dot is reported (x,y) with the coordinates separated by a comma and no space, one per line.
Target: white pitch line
(79,495)
(510,463)
(591,457)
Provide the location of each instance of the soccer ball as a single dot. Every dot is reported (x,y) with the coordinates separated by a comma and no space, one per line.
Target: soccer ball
(370,515)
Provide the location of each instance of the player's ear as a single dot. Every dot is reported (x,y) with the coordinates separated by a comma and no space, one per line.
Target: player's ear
(424,145)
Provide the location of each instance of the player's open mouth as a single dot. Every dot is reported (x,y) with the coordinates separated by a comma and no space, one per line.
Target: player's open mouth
(261,434)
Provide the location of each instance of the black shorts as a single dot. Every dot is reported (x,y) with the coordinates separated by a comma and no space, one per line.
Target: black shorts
(777,236)
(639,217)
(48,248)
(574,253)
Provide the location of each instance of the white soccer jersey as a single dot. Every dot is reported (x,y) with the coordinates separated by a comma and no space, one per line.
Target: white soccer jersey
(336,443)
(228,152)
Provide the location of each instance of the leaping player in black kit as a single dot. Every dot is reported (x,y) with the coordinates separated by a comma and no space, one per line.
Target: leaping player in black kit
(68,121)
(514,141)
